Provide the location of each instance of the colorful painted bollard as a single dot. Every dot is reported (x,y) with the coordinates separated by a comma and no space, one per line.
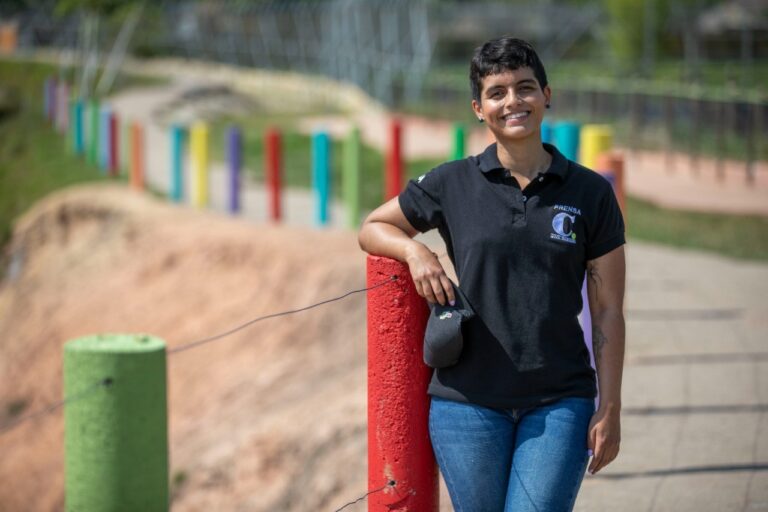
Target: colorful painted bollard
(78,137)
(394,172)
(351,178)
(235,159)
(116,441)
(595,139)
(198,148)
(458,149)
(321,175)
(137,157)
(565,136)
(114,145)
(93,132)
(177,163)
(274,165)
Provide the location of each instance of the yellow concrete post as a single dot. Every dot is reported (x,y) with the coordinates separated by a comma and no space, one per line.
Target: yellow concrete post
(198,146)
(595,140)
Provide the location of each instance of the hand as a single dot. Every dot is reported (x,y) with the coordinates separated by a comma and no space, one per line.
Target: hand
(603,438)
(428,275)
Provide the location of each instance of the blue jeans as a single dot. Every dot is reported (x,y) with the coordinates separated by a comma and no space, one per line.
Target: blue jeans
(496,460)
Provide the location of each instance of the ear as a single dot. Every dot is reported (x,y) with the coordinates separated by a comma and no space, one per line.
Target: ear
(477,109)
(548,94)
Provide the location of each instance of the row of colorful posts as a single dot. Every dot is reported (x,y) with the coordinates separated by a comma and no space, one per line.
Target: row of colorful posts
(96,131)
(141,450)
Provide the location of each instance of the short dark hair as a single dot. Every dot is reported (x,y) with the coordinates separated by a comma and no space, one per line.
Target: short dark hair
(500,55)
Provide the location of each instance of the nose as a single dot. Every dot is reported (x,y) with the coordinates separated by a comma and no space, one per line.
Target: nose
(512,98)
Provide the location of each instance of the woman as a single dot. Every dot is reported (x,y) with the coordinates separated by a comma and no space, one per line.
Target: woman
(513,422)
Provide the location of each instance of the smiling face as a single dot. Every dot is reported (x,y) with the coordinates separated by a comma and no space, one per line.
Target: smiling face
(512,104)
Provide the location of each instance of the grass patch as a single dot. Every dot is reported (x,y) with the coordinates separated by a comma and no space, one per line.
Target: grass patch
(34,160)
(738,236)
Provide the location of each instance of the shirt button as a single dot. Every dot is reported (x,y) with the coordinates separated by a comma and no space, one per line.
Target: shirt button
(524,198)
(541,178)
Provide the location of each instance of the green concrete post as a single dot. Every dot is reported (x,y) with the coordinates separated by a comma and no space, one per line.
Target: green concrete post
(459,142)
(351,179)
(116,438)
(93,132)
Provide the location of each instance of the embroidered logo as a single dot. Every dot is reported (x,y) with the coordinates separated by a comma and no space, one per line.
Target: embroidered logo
(562,225)
(445,315)
(418,180)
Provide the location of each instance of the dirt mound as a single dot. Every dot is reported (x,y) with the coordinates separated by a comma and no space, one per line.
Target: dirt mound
(270,418)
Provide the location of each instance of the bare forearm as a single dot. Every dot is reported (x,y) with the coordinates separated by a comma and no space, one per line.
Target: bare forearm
(382,239)
(608,347)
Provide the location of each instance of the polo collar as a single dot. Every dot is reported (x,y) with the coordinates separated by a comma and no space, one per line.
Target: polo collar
(489,161)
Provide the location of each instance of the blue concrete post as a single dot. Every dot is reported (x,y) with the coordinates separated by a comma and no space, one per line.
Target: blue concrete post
(321,175)
(177,163)
(546,132)
(78,139)
(566,139)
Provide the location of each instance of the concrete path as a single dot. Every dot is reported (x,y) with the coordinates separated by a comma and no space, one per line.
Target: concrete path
(695,392)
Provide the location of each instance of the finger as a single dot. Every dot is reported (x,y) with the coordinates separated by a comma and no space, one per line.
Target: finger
(428,292)
(437,289)
(597,459)
(448,287)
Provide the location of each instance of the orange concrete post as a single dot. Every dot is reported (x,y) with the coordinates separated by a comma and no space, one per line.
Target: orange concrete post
(611,163)
(400,458)
(137,157)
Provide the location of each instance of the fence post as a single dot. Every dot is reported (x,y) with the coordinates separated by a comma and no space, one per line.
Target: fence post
(566,139)
(274,163)
(351,180)
(114,145)
(321,175)
(199,152)
(234,156)
(399,448)
(595,139)
(612,164)
(137,156)
(394,172)
(93,131)
(116,437)
(177,151)
(459,142)
(104,138)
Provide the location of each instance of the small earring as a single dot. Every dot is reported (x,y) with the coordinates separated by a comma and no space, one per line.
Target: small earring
(480,119)
(548,106)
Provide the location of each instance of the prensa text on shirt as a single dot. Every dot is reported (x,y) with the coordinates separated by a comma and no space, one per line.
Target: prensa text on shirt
(566,208)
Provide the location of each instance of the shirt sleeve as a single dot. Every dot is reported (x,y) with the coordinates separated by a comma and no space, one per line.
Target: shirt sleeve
(607,232)
(421,202)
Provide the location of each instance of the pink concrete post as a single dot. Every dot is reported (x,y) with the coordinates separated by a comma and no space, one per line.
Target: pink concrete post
(399,450)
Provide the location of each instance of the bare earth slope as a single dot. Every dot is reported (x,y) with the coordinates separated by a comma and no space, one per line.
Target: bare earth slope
(270,418)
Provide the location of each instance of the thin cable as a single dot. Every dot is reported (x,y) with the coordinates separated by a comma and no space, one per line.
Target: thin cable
(107,381)
(56,406)
(391,483)
(197,343)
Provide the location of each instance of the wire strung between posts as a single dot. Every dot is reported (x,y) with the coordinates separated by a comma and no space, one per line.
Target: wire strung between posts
(391,483)
(197,343)
(107,381)
(56,406)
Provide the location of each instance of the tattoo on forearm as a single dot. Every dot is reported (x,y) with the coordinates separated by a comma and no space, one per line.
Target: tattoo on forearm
(598,342)
(593,274)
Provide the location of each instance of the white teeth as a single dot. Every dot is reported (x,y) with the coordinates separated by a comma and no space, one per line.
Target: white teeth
(516,116)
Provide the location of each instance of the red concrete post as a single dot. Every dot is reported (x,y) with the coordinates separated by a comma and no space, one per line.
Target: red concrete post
(273,166)
(114,148)
(613,162)
(399,449)
(394,172)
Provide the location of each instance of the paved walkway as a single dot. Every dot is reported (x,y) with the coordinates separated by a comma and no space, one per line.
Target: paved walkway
(695,392)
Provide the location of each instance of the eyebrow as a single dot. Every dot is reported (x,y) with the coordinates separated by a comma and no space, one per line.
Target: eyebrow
(524,81)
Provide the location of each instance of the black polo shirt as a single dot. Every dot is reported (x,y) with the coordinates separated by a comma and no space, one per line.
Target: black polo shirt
(520,257)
